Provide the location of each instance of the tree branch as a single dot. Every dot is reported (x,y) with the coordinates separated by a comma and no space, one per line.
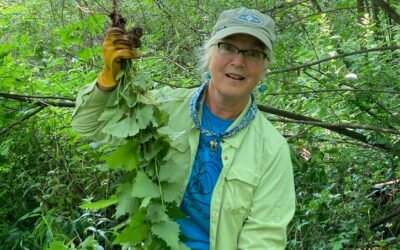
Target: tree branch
(340,130)
(11,96)
(5,130)
(386,218)
(42,100)
(391,12)
(340,125)
(336,90)
(333,58)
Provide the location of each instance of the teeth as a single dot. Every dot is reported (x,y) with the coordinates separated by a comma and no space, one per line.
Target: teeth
(235,77)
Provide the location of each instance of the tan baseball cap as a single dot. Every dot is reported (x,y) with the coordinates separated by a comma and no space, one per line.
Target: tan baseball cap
(245,21)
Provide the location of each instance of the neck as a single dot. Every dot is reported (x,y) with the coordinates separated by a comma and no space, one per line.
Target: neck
(223,107)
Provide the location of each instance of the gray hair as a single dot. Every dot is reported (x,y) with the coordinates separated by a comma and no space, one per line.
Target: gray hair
(205,51)
(204,54)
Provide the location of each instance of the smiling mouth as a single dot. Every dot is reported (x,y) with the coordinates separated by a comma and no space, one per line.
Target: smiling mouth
(235,77)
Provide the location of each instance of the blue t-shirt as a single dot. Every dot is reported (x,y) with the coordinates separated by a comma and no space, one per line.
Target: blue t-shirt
(205,172)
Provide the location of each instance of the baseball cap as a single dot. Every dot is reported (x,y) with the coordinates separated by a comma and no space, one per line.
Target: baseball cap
(245,21)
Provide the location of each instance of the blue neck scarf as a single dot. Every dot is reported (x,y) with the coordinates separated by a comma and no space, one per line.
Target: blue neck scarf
(195,109)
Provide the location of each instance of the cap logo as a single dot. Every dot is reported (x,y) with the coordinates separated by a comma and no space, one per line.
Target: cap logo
(249,18)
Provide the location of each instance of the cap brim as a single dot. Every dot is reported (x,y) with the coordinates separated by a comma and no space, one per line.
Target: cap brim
(244,30)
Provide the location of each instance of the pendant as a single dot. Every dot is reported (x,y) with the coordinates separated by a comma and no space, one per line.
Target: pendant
(213,145)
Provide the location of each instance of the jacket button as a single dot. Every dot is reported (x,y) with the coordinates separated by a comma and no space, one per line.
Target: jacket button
(225,158)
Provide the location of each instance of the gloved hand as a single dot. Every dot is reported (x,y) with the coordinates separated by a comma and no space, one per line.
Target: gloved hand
(117,45)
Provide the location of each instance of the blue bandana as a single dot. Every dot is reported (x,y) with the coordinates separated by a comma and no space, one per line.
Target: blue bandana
(195,108)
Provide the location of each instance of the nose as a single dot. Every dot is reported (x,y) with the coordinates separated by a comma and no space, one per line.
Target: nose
(238,60)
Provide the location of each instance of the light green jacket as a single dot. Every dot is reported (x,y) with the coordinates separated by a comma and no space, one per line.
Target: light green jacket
(254,198)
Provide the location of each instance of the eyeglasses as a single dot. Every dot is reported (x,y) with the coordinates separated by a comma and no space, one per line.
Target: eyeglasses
(230,50)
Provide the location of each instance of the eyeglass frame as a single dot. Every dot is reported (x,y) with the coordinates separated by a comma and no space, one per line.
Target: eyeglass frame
(243,51)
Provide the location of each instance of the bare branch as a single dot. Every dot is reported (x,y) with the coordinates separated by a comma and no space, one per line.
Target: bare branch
(11,96)
(293,117)
(336,90)
(181,67)
(333,58)
(5,130)
(42,100)
(340,125)
(340,130)
(394,213)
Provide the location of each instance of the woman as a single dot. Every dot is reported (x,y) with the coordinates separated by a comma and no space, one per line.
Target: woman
(237,190)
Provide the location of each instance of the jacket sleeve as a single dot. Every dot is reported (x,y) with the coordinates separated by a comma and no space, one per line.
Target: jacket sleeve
(273,205)
(90,104)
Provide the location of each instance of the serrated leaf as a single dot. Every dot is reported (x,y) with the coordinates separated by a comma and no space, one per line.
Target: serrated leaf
(112,115)
(144,116)
(169,170)
(137,230)
(144,187)
(170,191)
(167,231)
(153,148)
(125,156)
(126,202)
(133,126)
(129,97)
(140,81)
(160,118)
(156,213)
(119,129)
(100,204)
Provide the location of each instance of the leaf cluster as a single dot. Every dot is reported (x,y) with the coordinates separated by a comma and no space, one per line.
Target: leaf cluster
(146,197)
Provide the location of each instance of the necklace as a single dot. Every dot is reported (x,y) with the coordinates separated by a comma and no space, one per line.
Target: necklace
(207,126)
(214,145)
(215,125)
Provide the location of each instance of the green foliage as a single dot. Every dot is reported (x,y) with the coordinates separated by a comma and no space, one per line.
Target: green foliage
(60,191)
(140,158)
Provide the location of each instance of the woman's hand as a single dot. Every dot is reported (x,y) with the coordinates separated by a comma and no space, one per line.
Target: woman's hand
(117,46)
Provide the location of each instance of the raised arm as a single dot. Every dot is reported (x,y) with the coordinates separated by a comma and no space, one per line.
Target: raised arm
(92,99)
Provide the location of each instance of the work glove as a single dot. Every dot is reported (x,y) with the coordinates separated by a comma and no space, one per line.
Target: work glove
(117,46)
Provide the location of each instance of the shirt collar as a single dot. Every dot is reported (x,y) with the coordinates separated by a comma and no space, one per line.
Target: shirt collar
(244,119)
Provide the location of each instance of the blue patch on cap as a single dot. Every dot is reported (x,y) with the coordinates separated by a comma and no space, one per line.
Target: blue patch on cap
(249,18)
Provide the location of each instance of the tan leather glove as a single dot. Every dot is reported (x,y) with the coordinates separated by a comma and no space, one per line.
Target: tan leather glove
(117,45)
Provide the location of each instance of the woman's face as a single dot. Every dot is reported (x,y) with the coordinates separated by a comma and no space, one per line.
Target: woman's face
(235,76)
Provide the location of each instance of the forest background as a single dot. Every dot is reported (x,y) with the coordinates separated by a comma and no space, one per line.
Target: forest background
(333,91)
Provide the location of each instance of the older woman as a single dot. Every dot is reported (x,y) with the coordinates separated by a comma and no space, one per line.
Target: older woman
(237,190)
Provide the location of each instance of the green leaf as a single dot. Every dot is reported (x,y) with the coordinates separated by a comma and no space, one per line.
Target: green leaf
(144,116)
(125,156)
(170,191)
(100,204)
(119,129)
(137,230)
(124,128)
(156,213)
(160,118)
(144,187)
(126,202)
(169,170)
(145,202)
(153,148)
(168,231)
(56,245)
